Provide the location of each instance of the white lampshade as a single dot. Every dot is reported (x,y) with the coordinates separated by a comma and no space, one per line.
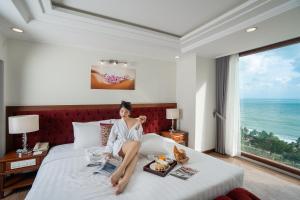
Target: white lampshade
(172,113)
(23,124)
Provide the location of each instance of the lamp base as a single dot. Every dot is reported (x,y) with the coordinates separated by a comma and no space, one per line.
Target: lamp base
(172,130)
(23,151)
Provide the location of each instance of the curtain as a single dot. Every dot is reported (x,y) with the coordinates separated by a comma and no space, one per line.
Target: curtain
(222,65)
(232,122)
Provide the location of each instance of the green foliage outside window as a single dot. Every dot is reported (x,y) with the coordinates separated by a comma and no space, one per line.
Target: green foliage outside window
(270,146)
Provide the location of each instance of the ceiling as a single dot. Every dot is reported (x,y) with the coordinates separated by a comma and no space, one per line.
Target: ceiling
(176,17)
(154,29)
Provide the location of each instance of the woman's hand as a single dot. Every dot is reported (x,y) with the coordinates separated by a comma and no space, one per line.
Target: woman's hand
(107,155)
(142,119)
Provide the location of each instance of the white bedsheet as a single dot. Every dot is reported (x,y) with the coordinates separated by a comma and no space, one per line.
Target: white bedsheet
(64,175)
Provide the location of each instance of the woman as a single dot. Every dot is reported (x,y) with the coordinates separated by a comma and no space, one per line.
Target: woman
(124,141)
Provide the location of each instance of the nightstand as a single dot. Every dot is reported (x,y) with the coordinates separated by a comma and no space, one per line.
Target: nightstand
(181,137)
(17,172)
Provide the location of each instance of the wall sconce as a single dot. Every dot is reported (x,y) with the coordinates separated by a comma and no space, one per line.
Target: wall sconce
(114,62)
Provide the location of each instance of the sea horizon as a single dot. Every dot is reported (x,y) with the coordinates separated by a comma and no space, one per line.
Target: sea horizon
(280,116)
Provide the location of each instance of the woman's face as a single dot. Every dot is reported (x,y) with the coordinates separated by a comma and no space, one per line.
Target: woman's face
(124,112)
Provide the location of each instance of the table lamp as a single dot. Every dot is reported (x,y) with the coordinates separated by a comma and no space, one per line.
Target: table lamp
(23,124)
(172,113)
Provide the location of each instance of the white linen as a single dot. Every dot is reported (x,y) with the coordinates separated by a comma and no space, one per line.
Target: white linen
(120,133)
(232,122)
(152,144)
(64,175)
(86,134)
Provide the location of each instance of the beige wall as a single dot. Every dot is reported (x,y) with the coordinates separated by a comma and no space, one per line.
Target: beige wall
(43,74)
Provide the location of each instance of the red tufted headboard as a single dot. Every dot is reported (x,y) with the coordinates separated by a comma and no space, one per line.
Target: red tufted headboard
(56,121)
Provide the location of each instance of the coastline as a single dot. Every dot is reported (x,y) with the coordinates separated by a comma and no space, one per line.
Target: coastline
(279,116)
(277,135)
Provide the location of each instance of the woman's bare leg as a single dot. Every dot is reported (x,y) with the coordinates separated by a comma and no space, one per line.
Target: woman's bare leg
(130,149)
(128,173)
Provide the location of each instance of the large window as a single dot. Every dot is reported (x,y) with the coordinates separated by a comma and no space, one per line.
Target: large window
(270,104)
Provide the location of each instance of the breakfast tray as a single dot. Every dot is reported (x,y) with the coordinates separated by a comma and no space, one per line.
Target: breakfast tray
(162,173)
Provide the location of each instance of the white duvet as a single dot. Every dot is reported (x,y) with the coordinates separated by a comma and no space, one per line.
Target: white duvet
(64,175)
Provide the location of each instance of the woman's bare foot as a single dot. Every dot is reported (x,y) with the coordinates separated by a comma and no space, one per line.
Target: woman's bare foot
(121,185)
(115,177)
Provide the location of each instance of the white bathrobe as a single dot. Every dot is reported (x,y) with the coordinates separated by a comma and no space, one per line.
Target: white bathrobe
(119,134)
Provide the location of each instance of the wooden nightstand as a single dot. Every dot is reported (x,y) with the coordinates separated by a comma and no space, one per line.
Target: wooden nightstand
(181,137)
(17,172)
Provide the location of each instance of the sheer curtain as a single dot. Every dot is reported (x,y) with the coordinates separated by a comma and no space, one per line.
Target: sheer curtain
(232,122)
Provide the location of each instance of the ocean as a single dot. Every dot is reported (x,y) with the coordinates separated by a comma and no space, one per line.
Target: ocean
(280,116)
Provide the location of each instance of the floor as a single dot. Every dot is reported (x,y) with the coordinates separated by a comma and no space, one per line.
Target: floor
(17,195)
(265,183)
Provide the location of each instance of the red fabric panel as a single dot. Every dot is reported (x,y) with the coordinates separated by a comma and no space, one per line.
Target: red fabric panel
(238,194)
(56,125)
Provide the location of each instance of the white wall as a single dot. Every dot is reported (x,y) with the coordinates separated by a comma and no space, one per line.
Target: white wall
(205,137)
(185,94)
(195,93)
(44,74)
(2,92)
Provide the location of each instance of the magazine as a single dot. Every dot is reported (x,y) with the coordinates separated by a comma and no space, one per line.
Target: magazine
(103,165)
(183,173)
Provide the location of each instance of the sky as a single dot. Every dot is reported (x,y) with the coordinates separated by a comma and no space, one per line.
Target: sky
(271,74)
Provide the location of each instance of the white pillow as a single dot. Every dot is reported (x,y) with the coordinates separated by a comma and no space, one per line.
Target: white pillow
(86,134)
(153,144)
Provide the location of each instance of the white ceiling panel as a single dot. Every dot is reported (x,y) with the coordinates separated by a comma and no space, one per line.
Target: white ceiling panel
(177,17)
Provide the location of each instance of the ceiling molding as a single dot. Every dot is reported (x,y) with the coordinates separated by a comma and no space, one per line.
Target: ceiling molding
(200,41)
(63,6)
(23,10)
(57,25)
(223,19)
(76,20)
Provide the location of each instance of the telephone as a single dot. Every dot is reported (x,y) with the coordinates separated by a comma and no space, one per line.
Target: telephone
(41,146)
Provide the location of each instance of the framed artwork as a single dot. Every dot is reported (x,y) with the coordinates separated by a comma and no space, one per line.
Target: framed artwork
(112,77)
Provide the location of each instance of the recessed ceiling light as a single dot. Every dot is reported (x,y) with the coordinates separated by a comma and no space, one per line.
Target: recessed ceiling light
(248,30)
(177,57)
(17,30)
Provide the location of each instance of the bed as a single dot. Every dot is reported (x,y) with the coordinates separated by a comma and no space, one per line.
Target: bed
(64,175)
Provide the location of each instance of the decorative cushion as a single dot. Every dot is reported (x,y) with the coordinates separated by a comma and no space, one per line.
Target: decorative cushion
(105,131)
(86,134)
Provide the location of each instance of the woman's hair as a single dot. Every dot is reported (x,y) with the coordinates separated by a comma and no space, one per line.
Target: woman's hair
(126,104)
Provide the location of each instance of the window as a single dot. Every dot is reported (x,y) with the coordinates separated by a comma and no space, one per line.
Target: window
(270,104)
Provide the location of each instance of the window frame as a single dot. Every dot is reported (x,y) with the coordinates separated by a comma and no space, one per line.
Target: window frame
(254,157)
